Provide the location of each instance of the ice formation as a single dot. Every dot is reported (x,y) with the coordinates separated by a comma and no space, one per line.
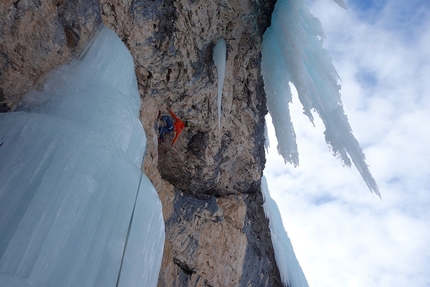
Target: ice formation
(219,58)
(278,98)
(266,138)
(293,52)
(289,268)
(341,3)
(75,208)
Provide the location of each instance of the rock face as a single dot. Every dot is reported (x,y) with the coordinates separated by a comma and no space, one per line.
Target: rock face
(217,242)
(37,36)
(209,181)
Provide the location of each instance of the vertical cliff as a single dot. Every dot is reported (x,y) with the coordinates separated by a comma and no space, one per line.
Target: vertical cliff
(209,181)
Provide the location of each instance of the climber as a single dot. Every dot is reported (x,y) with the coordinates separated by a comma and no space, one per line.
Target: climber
(176,127)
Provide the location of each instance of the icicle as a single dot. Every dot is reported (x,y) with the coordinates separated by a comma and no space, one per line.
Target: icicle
(298,36)
(279,96)
(341,3)
(219,57)
(266,138)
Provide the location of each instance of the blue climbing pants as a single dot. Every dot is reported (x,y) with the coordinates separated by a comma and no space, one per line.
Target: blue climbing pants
(168,128)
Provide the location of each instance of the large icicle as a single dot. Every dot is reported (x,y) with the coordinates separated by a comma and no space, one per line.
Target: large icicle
(289,268)
(70,179)
(219,58)
(299,37)
(278,98)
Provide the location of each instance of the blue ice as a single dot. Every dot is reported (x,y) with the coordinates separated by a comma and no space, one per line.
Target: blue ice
(75,207)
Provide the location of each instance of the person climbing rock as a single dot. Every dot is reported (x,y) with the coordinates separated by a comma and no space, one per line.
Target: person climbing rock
(176,127)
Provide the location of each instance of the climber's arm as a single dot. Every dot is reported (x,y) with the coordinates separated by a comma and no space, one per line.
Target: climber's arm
(176,136)
(173,115)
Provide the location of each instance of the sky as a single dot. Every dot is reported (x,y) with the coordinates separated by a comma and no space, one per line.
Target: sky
(342,234)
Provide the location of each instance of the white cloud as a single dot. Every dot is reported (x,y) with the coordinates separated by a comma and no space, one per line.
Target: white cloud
(342,234)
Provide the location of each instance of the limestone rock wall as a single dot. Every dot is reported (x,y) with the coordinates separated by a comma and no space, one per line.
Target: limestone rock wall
(209,181)
(37,36)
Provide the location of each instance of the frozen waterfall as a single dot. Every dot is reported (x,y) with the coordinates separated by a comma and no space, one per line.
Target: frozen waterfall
(293,52)
(289,268)
(75,208)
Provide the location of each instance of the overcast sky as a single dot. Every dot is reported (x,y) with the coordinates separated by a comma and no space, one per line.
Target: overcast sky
(342,234)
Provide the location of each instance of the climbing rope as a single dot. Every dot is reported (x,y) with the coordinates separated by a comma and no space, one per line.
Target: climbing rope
(129,228)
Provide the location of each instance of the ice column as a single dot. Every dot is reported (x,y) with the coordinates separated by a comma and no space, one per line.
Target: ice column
(72,192)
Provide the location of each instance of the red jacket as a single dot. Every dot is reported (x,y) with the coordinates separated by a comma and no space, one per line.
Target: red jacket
(178,126)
